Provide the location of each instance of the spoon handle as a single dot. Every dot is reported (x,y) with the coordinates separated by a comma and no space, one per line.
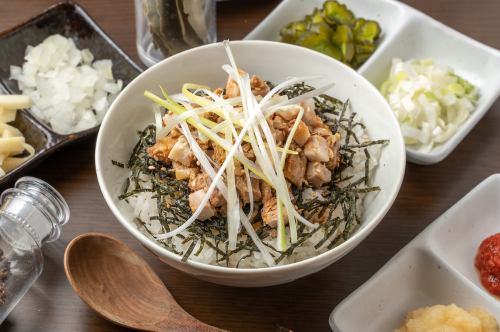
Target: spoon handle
(179,320)
(187,325)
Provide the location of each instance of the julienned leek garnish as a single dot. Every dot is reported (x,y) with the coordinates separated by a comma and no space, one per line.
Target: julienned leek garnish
(243,119)
(254,129)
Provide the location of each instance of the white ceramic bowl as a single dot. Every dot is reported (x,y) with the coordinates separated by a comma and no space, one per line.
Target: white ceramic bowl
(408,34)
(274,62)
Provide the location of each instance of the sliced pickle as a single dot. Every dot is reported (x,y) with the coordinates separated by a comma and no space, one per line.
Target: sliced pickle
(366,31)
(336,13)
(335,31)
(342,35)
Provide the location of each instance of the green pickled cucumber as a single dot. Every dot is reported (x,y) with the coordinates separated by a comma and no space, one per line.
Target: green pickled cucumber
(360,58)
(316,17)
(335,31)
(291,32)
(364,48)
(330,50)
(336,13)
(343,34)
(366,31)
(347,51)
(321,29)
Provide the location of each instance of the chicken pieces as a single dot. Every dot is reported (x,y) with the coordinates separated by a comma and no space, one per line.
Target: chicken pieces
(259,87)
(269,212)
(162,148)
(295,168)
(181,152)
(316,155)
(316,149)
(317,174)
(195,200)
(302,133)
(243,192)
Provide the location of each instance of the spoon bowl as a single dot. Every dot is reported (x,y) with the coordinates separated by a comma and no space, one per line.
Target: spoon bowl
(119,285)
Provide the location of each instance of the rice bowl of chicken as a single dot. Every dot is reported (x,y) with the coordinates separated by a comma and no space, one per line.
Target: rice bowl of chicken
(300,247)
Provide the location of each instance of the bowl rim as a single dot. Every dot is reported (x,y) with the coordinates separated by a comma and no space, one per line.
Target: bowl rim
(344,247)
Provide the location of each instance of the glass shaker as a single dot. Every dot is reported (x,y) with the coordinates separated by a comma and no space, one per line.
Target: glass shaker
(31,214)
(167,27)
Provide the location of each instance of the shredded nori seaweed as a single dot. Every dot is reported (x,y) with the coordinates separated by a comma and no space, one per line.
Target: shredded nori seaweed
(172,195)
(118,164)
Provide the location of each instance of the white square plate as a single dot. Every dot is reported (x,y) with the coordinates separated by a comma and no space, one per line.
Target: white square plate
(437,267)
(408,34)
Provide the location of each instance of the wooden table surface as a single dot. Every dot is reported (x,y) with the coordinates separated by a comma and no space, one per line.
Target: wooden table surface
(303,305)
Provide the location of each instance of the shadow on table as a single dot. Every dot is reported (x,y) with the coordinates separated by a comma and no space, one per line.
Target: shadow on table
(97,323)
(7,325)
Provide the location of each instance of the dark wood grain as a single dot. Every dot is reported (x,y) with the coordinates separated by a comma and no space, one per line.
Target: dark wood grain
(303,305)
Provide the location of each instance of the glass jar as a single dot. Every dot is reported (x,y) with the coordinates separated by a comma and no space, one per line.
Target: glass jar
(167,27)
(31,214)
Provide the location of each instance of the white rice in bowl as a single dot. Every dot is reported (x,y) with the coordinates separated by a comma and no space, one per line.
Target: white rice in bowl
(323,238)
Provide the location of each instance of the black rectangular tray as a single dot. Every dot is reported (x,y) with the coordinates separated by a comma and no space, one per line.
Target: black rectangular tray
(71,21)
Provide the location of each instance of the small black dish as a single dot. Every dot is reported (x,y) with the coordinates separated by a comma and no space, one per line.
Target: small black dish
(71,21)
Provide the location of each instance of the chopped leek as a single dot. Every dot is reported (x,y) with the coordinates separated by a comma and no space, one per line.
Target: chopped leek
(242,119)
(430,101)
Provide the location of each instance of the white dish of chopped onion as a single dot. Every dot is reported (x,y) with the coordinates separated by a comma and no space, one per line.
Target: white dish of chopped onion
(422,37)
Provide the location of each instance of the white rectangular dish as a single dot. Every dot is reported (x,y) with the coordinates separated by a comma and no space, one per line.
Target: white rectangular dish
(408,34)
(437,267)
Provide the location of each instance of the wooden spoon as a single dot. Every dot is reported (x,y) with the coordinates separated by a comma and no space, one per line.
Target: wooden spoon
(119,285)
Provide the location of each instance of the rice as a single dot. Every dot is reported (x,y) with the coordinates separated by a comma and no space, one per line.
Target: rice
(144,205)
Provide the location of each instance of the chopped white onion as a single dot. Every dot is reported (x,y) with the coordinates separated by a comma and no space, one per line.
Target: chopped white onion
(69,92)
(429,100)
